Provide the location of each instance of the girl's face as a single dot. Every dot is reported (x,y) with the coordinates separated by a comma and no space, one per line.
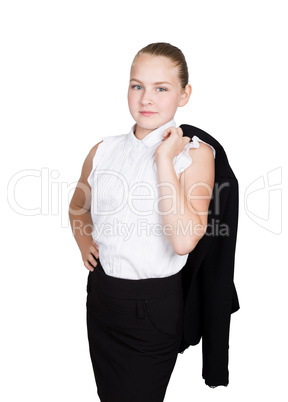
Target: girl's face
(154,87)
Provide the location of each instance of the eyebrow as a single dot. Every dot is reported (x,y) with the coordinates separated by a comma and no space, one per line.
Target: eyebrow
(155,83)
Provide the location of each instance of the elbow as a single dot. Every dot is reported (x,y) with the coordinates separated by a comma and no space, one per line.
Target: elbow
(183,247)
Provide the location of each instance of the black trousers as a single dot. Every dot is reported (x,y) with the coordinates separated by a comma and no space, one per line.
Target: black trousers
(134,331)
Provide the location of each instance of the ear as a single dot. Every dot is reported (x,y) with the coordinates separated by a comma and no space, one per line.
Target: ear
(185,95)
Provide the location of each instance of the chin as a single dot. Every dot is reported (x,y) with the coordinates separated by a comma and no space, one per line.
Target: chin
(151,121)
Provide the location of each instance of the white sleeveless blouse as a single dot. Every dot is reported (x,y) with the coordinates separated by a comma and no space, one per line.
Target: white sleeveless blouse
(124,193)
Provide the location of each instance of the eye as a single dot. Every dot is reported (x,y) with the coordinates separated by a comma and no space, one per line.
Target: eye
(136,86)
(164,89)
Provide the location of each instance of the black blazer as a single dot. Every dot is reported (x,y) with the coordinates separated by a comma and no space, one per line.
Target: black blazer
(210,295)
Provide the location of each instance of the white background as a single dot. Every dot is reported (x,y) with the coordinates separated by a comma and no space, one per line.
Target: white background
(64,79)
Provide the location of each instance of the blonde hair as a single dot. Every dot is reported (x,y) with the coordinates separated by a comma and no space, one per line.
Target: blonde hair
(173,53)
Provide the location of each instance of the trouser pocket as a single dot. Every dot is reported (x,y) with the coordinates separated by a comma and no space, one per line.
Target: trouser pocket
(165,313)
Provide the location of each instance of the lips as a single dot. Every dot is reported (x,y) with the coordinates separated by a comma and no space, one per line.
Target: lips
(144,113)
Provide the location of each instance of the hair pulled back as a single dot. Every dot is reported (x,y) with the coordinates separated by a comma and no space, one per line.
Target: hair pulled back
(173,53)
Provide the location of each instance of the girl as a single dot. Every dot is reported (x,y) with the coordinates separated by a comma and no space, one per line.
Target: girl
(139,246)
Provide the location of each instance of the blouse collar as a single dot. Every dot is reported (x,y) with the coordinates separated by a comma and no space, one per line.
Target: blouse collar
(152,138)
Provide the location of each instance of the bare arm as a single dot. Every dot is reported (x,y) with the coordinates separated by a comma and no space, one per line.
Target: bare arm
(80,214)
(189,200)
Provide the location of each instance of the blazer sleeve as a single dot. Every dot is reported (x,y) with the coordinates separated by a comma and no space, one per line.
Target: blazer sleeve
(218,290)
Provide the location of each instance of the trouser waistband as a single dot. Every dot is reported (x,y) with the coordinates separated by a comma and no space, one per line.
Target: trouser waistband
(134,288)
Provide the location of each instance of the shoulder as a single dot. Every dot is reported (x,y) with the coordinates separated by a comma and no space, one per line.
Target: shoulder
(202,168)
(109,142)
(203,151)
(93,150)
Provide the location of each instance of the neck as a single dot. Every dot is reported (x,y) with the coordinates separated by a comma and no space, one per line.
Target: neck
(141,132)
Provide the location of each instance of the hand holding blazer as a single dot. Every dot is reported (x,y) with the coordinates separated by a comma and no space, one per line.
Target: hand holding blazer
(210,295)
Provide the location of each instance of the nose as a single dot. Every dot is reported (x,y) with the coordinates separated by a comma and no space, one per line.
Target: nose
(146,98)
